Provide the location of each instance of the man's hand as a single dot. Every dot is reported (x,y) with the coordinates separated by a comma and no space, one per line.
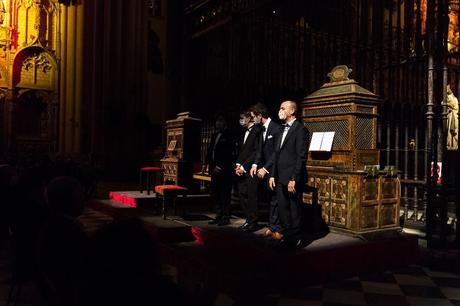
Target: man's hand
(271,183)
(291,186)
(261,173)
(239,171)
(253,171)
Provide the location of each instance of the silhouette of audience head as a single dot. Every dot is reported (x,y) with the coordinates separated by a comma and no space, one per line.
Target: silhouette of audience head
(127,266)
(128,247)
(65,195)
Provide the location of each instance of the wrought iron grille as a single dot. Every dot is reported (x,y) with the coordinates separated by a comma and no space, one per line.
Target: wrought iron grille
(337,110)
(363,109)
(339,126)
(364,133)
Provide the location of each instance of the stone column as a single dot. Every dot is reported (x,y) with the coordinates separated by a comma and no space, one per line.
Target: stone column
(70,54)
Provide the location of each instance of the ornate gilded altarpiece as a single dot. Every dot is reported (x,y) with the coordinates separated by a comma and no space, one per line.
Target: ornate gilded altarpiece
(354,194)
(29,75)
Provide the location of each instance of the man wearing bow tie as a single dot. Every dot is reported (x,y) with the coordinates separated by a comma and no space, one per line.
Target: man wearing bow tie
(263,164)
(247,185)
(289,173)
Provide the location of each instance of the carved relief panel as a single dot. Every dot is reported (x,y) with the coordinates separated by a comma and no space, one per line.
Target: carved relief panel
(369,202)
(339,188)
(339,198)
(370,189)
(35,20)
(356,202)
(35,69)
(369,217)
(24,24)
(29,73)
(323,185)
(390,196)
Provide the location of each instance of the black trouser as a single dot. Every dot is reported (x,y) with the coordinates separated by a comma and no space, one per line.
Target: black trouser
(290,211)
(270,197)
(221,190)
(247,190)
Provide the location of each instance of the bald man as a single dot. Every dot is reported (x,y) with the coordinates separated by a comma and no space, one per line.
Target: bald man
(289,173)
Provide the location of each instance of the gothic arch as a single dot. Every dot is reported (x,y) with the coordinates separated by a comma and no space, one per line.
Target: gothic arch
(39,18)
(34,67)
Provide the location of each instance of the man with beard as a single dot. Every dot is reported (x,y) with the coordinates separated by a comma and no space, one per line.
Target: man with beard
(263,164)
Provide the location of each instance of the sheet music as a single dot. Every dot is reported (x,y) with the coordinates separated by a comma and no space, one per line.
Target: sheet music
(326,144)
(322,141)
(315,143)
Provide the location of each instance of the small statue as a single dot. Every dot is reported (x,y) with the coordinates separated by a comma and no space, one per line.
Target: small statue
(452,120)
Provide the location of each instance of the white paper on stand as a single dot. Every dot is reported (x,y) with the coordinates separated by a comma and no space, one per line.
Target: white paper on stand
(328,139)
(322,141)
(316,139)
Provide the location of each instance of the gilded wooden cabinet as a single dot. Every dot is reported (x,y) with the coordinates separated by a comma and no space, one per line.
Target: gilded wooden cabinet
(354,196)
(357,202)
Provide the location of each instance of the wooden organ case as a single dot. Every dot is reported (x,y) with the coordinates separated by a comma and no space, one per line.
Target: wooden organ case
(182,149)
(355,196)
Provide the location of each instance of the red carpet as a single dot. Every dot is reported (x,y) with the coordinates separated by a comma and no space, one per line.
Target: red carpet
(132,198)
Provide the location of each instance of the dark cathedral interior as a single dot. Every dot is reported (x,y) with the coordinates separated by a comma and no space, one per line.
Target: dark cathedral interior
(229,152)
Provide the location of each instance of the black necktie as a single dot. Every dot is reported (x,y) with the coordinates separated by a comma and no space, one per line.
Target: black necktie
(264,128)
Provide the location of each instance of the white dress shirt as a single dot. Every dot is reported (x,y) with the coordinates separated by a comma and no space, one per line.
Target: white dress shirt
(286,130)
(246,134)
(266,127)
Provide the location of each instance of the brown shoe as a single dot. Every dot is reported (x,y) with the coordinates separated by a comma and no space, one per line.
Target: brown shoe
(268,233)
(277,236)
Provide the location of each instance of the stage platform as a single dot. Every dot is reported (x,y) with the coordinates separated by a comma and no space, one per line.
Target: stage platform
(136,199)
(133,198)
(237,262)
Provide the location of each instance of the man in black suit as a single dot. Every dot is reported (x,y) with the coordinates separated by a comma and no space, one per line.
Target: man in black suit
(247,185)
(219,161)
(289,173)
(263,164)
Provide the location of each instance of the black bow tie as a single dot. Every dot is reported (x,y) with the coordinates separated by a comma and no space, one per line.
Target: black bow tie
(286,125)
